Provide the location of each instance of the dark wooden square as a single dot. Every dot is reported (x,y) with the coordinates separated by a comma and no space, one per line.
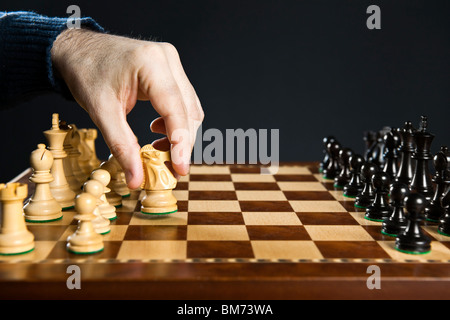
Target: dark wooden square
(308,195)
(219,249)
(265,206)
(326,218)
(212,195)
(110,251)
(209,177)
(44,232)
(134,232)
(277,233)
(351,249)
(256,186)
(294,177)
(215,218)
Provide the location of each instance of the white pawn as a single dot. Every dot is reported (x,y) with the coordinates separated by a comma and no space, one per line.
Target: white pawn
(42,207)
(118,180)
(85,240)
(106,209)
(15,238)
(100,223)
(113,197)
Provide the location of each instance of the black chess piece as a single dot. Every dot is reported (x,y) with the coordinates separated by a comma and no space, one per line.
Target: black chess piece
(333,167)
(407,147)
(326,158)
(379,209)
(434,209)
(413,240)
(355,184)
(345,174)
(390,154)
(367,195)
(397,222)
(370,138)
(444,221)
(421,181)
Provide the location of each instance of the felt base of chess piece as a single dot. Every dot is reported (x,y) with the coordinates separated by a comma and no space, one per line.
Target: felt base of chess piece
(15,238)
(159,202)
(393,226)
(413,240)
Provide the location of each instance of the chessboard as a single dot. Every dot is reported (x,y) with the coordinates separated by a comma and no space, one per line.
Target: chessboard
(237,234)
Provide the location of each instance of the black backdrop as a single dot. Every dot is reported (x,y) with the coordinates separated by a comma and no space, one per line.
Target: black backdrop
(308,68)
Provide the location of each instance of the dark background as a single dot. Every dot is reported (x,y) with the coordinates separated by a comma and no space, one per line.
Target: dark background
(309,68)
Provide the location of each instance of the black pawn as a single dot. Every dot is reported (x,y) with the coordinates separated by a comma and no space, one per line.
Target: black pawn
(367,195)
(434,209)
(380,209)
(444,222)
(406,170)
(412,240)
(421,181)
(397,222)
(390,154)
(355,184)
(333,168)
(326,158)
(344,160)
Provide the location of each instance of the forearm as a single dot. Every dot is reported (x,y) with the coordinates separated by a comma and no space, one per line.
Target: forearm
(26,67)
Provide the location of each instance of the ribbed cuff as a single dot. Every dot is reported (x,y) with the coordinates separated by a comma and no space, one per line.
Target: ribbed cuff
(26,70)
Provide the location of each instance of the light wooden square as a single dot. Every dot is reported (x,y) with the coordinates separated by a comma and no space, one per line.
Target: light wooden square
(213,232)
(289,170)
(214,206)
(127,206)
(117,233)
(317,206)
(338,233)
(176,218)
(252,177)
(301,186)
(339,196)
(359,217)
(184,178)
(438,252)
(260,195)
(286,250)
(271,218)
(213,169)
(181,195)
(211,185)
(155,249)
(41,250)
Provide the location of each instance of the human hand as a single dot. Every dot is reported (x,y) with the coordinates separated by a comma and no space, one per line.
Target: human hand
(108,74)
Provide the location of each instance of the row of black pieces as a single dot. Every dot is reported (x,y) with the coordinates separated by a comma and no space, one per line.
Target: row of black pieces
(361,178)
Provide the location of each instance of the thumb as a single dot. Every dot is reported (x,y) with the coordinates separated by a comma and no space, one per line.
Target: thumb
(122,143)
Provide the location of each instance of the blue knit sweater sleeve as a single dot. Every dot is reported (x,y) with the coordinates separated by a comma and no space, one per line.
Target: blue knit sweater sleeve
(26,39)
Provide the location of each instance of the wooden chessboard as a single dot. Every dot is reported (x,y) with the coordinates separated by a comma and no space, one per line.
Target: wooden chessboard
(238,234)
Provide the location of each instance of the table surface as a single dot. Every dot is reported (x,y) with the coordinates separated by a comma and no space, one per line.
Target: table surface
(237,234)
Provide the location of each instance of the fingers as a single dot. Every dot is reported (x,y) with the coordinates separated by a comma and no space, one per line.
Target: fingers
(190,98)
(166,98)
(111,120)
